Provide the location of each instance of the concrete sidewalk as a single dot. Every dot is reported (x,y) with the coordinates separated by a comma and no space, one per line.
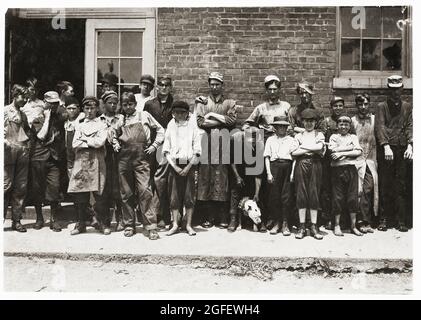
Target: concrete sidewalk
(217,248)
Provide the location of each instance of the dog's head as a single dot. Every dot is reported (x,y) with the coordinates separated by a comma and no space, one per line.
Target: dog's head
(253,211)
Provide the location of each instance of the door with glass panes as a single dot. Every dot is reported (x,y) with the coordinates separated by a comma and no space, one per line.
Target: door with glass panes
(118,52)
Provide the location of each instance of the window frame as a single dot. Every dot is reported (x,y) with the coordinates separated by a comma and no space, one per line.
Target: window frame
(373,78)
(146,25)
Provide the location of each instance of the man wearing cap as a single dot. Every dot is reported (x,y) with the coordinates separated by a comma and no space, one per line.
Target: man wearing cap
(213,114)
(112,120)
(305,91)
(264,113)
(393,127)
(366,163)
(147,82)
(47,153)
(106,85)
(160,108)
(16,156)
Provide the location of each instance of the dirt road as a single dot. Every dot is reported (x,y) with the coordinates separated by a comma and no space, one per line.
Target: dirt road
(53,275)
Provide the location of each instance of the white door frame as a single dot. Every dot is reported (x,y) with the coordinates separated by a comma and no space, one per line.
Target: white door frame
(147,25)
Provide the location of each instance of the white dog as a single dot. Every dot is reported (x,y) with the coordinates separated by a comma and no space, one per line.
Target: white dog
(250,209)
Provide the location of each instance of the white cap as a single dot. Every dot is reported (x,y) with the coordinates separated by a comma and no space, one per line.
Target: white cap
(271,78)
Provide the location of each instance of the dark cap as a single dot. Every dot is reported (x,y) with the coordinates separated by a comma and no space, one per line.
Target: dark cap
(180,105)
(147,78)
(309,114)
(88,100)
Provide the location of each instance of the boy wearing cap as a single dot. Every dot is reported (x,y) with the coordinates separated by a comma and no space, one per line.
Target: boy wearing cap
(89,169)
(278,161)
(160,108)
(308,172)
(305,91)
(182,149)
(213,114)
(147,82)
(366,163)
(47,151)
(16,156)
(344,148)
(112,119)
(393,127)
(263,115)
(133,159)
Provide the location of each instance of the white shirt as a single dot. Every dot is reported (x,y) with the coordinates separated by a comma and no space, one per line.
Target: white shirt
(141,100)
(348,140)
(182,140)
(280,148)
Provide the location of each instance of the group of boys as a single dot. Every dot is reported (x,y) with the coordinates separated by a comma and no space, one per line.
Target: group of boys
(311,164)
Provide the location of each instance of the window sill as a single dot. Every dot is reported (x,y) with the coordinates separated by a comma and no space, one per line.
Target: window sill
(366,82)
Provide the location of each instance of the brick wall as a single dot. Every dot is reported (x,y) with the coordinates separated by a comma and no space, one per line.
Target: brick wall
(246,44)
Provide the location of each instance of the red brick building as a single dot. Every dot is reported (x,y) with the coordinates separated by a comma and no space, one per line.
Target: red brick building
(342,50)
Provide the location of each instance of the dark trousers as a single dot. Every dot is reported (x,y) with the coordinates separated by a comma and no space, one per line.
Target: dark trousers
(280,191)
(135,188)
(393,177)
(366,200)
(344,189)
(45,180)
(308,181)
(15,181)
(101,207)
(160,187)
(326,190)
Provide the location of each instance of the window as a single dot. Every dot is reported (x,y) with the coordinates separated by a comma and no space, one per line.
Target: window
(373,42)
(119,58)
(120,51)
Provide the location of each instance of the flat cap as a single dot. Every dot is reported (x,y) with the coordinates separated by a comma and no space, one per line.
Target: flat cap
(271,77)
(309,114)
(51,97)
(180,105)
(308,87)
(395,81)
(336,99)
(88,100)
(216,76)
(109,94)
(147,78)
(283,121)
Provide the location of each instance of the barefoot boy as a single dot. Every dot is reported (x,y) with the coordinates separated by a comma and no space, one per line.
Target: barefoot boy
(344,148)
(182,149)
(278,163)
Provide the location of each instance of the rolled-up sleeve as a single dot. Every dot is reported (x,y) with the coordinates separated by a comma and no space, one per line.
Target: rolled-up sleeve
(98,140)
(200,115)
(160,131)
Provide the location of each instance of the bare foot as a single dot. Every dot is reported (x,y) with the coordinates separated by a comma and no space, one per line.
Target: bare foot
(356,232)
(190,231)
(173,230)
(338,232)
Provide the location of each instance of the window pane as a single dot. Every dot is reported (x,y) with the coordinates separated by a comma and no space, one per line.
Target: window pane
(131,44)
(371,55)
(131,70)
(372,22)
(392,54)
(107,44)
(108,69)
(348,30)
(391,15)
(350,54)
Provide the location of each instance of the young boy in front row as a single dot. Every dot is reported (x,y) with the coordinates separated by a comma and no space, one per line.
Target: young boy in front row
(182,149)
(278,163)
(308,172)
(345,148)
